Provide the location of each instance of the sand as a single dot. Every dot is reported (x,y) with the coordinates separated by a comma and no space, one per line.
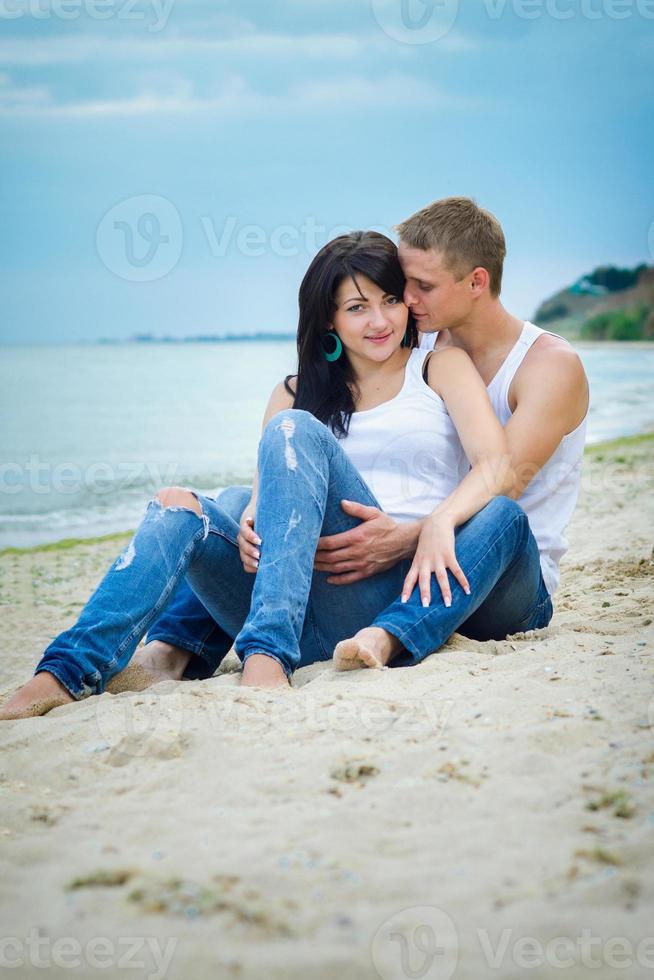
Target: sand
(488,813)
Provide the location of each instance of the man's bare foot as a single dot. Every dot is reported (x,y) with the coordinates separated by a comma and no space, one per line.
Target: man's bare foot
(41,694)
(262,671)
(154,662)
(371,647)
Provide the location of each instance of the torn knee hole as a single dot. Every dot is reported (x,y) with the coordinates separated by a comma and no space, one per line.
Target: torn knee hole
(174,498)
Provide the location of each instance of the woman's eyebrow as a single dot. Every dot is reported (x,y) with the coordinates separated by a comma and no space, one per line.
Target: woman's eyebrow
(356,299)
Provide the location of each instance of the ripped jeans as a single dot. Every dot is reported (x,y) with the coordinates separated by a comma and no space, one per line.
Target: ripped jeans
(286,611)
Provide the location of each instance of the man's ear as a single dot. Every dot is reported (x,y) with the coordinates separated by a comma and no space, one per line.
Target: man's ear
(479,280)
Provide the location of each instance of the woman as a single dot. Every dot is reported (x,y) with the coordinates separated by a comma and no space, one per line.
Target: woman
(369,417)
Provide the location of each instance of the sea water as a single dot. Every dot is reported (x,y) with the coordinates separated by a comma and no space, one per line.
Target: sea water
(89,433)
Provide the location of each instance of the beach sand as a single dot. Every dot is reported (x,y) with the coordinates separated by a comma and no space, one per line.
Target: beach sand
(447,820)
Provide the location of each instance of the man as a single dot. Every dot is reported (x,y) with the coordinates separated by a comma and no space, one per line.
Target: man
(452,253)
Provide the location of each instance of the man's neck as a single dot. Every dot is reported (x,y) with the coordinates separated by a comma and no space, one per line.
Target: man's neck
(488,334)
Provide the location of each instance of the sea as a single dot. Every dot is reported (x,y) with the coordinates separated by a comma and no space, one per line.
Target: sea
(89,433)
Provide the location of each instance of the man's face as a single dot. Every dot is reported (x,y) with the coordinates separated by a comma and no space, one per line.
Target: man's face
(437,300)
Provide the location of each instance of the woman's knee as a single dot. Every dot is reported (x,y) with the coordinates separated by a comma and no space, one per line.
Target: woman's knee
(173,497)
(505,510)
(294,423)
(233,500)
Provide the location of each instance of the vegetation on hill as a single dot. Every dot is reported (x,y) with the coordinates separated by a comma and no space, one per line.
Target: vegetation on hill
(634,324)
(608,304)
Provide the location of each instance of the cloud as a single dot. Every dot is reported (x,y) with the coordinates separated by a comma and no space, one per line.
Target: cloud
(18,101)
(94,49)
(235,98)
(81,49)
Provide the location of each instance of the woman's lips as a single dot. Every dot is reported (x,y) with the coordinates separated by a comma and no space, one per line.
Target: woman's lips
(380,339)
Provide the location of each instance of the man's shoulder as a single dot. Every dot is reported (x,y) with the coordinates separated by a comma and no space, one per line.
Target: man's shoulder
(552,367)
(552,354)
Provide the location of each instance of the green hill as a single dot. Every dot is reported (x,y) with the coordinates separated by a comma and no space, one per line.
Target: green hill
(608,304)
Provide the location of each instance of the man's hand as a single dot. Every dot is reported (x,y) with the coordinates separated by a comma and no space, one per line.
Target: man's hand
(374,546)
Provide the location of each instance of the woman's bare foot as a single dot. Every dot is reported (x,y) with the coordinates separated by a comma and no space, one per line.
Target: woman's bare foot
(371,647)
(262,671)
(41,694)
(154,662)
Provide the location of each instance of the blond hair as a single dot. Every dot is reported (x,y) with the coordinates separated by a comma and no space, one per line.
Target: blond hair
(467,235)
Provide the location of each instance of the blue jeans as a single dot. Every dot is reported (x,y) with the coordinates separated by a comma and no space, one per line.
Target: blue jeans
(499,556)
(286,611)
(496,550)
(186,623)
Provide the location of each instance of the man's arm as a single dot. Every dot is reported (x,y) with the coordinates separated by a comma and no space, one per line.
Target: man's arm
(549,399)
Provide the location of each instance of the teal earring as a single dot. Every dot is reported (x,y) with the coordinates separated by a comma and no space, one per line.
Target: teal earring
(405,339)
(338,349)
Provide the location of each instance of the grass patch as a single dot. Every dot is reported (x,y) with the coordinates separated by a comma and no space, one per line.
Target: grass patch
(618,801)
(601,856)
(101,879)
(65,544)
(622,442)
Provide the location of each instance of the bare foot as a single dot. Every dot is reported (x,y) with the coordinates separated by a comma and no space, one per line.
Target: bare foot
(154,662)
(41,694)
(262,671)
(371,647)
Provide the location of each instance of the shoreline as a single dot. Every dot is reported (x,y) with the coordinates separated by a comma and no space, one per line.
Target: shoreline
(67,543)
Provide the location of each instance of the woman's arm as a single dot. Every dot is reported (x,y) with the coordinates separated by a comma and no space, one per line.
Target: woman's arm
(248,540)
(453,376)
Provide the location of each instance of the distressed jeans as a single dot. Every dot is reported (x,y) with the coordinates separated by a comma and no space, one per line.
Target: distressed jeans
(286,611)
(499,556)
(186,623)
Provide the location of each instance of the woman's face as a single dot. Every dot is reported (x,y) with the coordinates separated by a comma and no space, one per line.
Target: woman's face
(369,322)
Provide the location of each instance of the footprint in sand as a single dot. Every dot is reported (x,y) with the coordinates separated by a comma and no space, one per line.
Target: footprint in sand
(132,747)
(153,724)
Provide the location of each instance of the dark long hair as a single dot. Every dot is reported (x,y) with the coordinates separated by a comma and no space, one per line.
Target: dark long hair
(323,387)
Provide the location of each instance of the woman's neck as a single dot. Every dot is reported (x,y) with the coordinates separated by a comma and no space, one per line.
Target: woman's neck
(369,373)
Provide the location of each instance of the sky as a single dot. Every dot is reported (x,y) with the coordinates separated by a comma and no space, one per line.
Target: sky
(171,166)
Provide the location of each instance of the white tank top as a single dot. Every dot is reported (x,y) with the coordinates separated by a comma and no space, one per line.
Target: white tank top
(551,497)
(407,449)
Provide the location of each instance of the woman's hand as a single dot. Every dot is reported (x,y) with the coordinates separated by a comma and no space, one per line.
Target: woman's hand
(435,553)
(248,541)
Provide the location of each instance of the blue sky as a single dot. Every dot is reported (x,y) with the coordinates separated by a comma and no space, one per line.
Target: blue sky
(171,166)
